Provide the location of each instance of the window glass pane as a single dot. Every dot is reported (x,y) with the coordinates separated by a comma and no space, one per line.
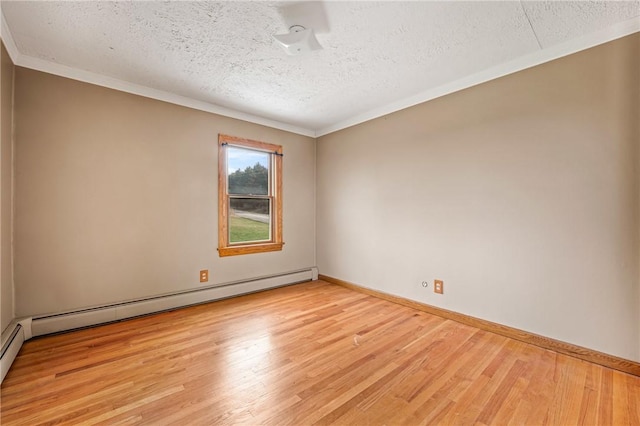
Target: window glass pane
(247,171)
(249,220)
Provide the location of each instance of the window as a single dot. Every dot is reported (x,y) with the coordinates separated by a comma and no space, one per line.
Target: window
(249,196)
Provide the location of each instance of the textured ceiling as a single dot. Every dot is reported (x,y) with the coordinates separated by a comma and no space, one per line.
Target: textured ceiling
(375,53)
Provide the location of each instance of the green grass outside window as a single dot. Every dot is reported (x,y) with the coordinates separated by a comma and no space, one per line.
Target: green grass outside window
(244,230)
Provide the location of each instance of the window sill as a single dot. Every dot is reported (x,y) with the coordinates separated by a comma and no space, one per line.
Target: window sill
(249,249)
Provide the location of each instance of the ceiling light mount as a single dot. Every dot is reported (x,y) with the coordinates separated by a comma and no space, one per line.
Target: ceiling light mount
(299,40)
(296,28)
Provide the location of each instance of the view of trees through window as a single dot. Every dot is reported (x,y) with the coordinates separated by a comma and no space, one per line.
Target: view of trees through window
(252,180)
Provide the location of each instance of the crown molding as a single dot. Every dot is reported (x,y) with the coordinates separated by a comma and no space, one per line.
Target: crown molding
(124,86)
(538,57)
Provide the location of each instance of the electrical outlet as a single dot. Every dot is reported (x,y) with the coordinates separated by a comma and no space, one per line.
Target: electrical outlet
(204,275)
(425,284)
(438,286)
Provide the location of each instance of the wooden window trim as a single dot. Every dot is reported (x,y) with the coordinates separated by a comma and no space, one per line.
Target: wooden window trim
(225,248)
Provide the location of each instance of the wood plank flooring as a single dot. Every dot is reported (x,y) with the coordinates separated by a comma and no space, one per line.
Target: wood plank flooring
(313,353)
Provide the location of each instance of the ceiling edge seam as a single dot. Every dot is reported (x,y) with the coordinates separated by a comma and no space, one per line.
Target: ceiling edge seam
(530,25)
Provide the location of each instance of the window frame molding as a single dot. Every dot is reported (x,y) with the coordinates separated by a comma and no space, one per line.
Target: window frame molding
(225,247)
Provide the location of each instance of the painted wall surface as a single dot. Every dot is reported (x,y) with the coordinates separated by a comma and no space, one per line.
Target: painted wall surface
(116,197)
(6,99)
(522,194)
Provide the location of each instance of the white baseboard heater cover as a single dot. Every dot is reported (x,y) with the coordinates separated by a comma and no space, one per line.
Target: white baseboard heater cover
(21,330)
(100,315)
(10,347)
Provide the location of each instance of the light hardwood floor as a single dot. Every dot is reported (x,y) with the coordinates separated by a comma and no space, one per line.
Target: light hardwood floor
(305,354)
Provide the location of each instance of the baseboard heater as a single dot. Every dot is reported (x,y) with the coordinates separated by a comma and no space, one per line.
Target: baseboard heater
(87,317)
(12,341)
(21,330)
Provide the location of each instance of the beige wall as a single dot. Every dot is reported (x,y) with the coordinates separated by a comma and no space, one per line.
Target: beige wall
(6,95)
(116,197)
(522,194)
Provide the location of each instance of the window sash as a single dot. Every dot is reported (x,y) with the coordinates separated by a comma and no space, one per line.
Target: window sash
(270,171)
(269,239)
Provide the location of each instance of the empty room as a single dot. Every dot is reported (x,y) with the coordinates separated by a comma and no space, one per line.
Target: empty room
(320,212)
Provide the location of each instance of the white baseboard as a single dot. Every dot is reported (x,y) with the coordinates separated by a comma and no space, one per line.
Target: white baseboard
(100,315)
